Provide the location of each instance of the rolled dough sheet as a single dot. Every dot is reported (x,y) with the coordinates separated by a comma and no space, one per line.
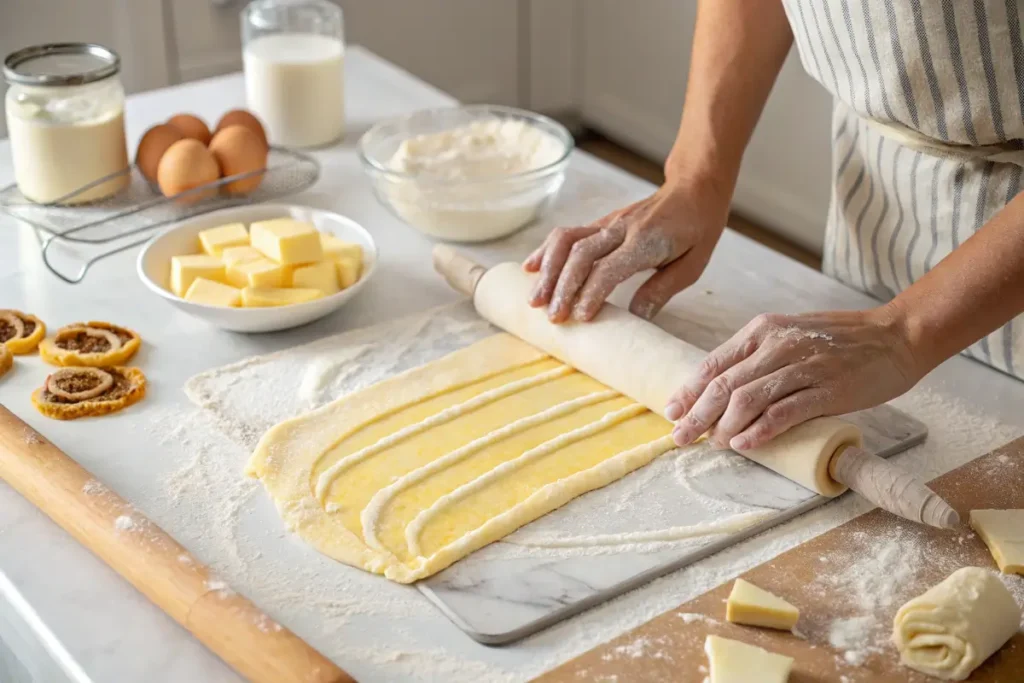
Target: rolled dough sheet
(954,626)
(409,475)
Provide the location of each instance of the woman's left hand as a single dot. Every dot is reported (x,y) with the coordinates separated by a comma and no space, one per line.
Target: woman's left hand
(782,370)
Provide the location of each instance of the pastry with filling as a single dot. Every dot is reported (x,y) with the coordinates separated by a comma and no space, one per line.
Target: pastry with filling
(20,332)
(74,392)
(92,344)
(6,360)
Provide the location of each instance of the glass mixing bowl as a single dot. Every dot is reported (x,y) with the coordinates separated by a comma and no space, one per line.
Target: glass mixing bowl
(463,209)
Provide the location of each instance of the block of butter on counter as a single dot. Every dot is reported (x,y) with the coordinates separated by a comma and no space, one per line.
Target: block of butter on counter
(216,240)
(277,296)
(185,269)
(203,291)
(287,241)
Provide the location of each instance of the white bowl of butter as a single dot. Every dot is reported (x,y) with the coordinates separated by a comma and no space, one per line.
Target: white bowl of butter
(198,287)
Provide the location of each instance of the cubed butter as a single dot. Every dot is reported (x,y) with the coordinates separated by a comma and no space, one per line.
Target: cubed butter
(287,241)
(334,248)
(253,297)
(261,273)
(348,271)
(185,269)
(322,276)
(754,606)
(233,255)
(203,291)
(216,240)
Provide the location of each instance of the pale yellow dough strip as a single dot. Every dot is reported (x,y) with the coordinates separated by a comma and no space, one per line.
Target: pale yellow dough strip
(549,497)
(327,477)
(371,513)
(415,527)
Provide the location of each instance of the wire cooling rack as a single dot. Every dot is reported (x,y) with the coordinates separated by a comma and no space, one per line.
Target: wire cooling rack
(73,238)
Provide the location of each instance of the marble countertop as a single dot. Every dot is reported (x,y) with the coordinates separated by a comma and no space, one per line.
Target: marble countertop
(112,631)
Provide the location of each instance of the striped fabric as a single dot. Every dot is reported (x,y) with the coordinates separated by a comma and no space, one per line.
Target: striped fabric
(952,70)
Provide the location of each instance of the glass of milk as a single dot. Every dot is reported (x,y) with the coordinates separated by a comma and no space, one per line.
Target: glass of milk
(293,52)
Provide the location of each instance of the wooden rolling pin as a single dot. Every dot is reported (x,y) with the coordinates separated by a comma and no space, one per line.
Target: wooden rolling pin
(639,359)
(255,645)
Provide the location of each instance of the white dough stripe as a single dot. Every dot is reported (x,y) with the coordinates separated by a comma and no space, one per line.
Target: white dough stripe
(371,513)
(416,526)
(327,477)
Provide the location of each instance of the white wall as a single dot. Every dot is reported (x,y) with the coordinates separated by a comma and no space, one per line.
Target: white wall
(635,62)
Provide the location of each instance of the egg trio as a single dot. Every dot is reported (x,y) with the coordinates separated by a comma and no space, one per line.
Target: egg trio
(183,153)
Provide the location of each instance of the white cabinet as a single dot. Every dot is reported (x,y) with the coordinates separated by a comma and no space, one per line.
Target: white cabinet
(635,59)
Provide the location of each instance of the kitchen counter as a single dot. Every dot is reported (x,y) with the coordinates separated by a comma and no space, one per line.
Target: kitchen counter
(113,632)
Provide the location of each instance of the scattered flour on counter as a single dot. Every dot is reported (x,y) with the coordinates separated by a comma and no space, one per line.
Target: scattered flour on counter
(1015,584)
(855,637)
(94,488)
(376,628)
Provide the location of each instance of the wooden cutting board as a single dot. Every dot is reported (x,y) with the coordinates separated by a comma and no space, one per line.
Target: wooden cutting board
(670,647)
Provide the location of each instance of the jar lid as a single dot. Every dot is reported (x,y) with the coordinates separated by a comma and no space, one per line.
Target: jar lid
(61,64)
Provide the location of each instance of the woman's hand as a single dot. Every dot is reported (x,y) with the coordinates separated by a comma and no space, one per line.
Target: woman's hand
(674,231)
(782,370)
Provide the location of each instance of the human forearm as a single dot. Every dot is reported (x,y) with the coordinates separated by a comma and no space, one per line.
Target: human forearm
(738,50)
(970,293)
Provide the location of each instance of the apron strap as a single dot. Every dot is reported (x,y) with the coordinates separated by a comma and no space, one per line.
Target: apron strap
(908,137)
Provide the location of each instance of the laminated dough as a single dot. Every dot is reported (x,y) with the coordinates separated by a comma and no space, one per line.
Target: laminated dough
(730,661)
(1003,533)
(950,629)
(753,606)
(409,475)
(648,364)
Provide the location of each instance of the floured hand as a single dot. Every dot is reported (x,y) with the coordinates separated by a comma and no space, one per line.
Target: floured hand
(673,231)
(782,370)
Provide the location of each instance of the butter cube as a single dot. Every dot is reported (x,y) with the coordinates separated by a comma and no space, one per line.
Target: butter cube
(287,241)
(203,291)
(261,273)
(253,297)
(335,248)
(322,276)
(348,271)
(216,240)
(185,269)
(233,255)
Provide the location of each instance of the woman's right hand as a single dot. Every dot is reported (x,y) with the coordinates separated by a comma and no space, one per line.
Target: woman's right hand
(673,231)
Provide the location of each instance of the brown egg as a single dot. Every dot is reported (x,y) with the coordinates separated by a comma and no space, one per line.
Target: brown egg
(241,117)
(152,146)
(187,164)
(239,150)
(192,127)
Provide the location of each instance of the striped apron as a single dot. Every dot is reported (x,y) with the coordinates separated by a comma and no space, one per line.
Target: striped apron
(927,124)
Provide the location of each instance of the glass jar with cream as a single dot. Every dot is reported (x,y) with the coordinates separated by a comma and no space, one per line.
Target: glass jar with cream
(65,119)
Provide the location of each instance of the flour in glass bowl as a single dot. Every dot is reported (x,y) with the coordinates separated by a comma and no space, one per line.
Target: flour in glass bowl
(465,184)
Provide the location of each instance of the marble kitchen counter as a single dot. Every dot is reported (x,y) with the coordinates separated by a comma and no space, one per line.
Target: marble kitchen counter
(111,630)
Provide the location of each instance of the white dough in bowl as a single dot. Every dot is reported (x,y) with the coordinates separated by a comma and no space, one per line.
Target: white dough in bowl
(463,184)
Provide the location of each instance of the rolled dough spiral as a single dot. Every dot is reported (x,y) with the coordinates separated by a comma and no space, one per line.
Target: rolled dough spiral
(648,364)
(956,625)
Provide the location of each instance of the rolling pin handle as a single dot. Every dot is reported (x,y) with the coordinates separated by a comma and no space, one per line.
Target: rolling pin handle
(461,272)
(891,488)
